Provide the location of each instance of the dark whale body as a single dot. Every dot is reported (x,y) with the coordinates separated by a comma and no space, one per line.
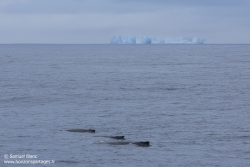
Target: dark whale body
(114,137)
(81,130)
(117,137)
(140,143)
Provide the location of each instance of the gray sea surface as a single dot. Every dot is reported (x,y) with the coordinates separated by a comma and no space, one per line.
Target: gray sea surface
(192,102)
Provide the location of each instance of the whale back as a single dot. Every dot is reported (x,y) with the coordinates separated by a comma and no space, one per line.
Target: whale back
(81,130)
(142,143)
(117,137)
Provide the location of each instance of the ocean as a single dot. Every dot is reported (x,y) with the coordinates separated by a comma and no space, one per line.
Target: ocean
(191,102)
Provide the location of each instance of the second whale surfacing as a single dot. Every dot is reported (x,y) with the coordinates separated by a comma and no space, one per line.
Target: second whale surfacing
(140,143)
(114,137)
(81,130)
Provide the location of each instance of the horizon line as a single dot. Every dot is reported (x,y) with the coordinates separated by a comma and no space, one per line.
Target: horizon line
(118,44)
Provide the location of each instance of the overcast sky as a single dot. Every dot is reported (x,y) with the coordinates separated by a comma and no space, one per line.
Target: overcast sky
(95,21)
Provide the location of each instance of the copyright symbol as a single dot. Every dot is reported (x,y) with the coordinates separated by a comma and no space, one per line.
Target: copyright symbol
(6,156)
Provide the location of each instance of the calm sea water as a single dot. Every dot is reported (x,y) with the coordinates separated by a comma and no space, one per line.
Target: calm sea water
(192,102)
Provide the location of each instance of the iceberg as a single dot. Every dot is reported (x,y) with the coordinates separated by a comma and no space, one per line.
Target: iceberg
(156,40)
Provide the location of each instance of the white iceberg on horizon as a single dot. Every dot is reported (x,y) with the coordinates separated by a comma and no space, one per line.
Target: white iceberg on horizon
(156,40)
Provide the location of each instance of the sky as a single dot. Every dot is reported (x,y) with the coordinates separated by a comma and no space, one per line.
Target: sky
(95,21)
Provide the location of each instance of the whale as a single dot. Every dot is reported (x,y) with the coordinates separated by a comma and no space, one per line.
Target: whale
(140,143)
(114,137)
(81,130)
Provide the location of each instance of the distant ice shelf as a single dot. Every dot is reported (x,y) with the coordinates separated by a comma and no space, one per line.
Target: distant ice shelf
(156,40)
